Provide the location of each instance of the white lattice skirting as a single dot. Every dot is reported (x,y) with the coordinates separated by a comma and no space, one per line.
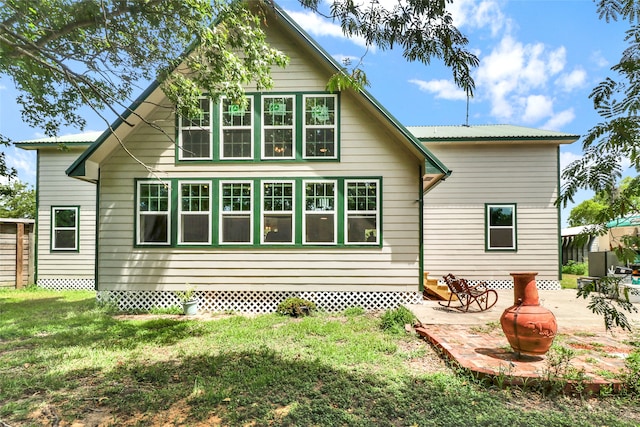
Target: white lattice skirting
(259,301)
(543,285)
(67,284)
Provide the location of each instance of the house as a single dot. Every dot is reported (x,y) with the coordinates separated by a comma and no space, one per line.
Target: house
(304,193)
(251,205)
(496,213)
(66,214)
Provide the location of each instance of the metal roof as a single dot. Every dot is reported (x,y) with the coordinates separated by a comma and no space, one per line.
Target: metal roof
(78,138)
(488,133)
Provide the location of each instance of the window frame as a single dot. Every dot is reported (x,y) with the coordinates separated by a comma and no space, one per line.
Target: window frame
(334,126)
(222,213)
(139,214)
(488,227)
(180,212)
(263,212)
(209,129)
(264,127)
(348,212)
(333,212)
(55,228)
(250,127)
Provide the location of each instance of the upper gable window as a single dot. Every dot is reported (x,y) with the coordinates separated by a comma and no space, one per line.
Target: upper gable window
(500,220)
(278,127)
(236,129)
(320,126)
(195,134)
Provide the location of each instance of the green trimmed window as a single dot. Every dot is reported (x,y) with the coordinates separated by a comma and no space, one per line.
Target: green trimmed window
(194,211)
(65,228)
(195,141)
(224,212)
(278,206)
(278,127)
(320,126)
(236,129)
(236,212)
(319,220)
(362,212)
(500,220)
(154,213)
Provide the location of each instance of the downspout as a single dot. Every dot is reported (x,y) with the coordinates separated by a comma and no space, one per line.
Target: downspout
(97,231)
(559,216)
(421,193)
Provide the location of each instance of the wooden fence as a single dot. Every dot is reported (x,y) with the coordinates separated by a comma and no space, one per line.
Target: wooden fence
(17,252)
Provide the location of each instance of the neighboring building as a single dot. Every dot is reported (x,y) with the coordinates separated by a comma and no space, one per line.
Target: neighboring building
(496,213)
(17,254)
(307,193)
(576,244)
(66,214)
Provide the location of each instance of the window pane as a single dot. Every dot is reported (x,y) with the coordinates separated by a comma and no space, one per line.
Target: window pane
(236,197)
(65,239)
(236,143)
(320,143)
(65,217)
(320,110)
(236,229)
(196,144)
(362,228)
(278,142)
(153,229)
(195,228)
(278,228)
(501,238)
(501,216)
(278,111)
(202,119)
(319,228)
(320,196)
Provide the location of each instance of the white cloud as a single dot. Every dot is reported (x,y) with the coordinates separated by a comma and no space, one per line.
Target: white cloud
(536,108)
(598,59)
(474,14)
(320,27)
(558,121)
(567,157)
(568,82)
(443,89)
(511,74)
(24,162)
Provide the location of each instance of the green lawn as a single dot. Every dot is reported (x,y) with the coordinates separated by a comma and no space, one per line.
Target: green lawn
(63,359)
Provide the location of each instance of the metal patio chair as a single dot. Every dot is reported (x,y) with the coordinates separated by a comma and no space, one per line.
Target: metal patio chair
(477,295)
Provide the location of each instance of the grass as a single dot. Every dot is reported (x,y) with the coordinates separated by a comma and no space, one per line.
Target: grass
(65,360)
(569,281)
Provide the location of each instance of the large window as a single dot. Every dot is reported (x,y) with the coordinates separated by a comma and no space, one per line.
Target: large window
(65,228)
(236,212)
(500,220)
(194,211)
(320,212)
(195,134)
(362,213)
(320,127)
(277,212)
(153,206)
(236,129)
(278,127)
(218,212)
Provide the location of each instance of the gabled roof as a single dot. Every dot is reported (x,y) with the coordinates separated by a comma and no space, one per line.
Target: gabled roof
(78,139)
(87,165)
(509,134)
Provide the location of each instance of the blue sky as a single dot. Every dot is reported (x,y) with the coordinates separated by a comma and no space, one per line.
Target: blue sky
(539,60)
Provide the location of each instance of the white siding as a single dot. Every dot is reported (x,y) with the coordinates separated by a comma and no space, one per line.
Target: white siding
(55,188)
(366,149)
(454,211)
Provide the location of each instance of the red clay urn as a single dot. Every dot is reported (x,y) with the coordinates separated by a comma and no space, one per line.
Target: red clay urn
(529,327)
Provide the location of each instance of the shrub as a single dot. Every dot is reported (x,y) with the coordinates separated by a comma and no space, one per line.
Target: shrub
(394,320)
(577,268)
(295,307)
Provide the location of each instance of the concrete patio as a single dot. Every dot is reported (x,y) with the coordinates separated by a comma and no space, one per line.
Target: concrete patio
(475,341)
